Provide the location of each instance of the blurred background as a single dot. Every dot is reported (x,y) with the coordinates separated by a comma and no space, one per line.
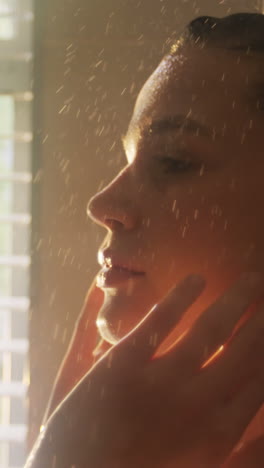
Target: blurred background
(70,71)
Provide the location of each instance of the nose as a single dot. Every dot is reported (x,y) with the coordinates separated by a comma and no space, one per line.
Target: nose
(115,207)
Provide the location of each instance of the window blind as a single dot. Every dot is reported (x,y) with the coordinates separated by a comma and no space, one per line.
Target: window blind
(15,225)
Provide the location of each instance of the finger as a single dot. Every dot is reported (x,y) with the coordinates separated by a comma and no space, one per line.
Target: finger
(242,359)
(161,320)
(250,455)
(229,420)
(216,324)
(242,409)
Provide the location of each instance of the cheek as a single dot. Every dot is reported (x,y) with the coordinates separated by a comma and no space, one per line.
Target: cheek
(225,230)
(210,228)
(198,228)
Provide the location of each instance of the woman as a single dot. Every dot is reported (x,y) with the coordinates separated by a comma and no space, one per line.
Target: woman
(173,388)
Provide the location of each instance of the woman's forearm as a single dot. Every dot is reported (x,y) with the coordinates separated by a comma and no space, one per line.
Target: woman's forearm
(79,357)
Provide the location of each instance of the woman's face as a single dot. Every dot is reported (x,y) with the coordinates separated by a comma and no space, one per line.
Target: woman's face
(190,198)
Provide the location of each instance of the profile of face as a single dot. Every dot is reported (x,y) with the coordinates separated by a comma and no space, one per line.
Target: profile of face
(190,198)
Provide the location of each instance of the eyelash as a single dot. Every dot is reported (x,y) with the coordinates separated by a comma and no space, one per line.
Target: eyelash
(176,165)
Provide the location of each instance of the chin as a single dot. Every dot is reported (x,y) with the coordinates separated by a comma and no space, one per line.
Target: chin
(105,332)
(120,314)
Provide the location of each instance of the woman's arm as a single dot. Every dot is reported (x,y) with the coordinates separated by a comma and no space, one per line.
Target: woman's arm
(79,357)
(132,410)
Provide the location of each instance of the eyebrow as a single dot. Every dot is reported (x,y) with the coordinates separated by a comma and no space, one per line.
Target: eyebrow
(169,124)
(179,122)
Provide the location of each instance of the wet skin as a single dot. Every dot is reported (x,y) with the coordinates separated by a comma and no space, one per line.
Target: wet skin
(188,200)
(190,197)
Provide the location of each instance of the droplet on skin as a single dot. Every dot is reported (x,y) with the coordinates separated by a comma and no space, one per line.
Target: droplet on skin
(130,287)
(232,185)
(155,339)
(201,170)
(184,231)
(214,135)
(189,114)
(224,129)
(243,138)
(102,393)
(109,360)
(174,205)
(119,325)
(172,266)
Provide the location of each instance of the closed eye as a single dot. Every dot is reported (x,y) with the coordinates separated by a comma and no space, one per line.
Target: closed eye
(171,164)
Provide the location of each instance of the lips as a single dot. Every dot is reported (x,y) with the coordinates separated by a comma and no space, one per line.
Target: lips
(115,270)
(109,259)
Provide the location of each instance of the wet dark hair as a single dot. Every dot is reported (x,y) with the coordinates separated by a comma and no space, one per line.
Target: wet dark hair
(240,31)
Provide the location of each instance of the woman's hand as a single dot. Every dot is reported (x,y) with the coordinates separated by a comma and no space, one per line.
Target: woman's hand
(131,410)
(250,455)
